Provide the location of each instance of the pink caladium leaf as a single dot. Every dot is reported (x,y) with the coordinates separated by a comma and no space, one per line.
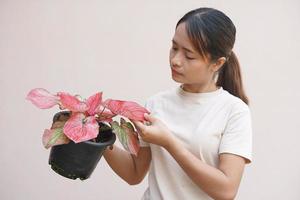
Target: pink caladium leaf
(54,137)
(127,136)
(128,109)
(104,114)
(42,98)
(93,102)
(72,103)
(80,128)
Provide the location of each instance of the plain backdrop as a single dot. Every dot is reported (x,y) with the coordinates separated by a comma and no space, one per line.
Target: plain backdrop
(121,48)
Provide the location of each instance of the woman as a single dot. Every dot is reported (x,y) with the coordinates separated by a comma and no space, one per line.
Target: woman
(199,136)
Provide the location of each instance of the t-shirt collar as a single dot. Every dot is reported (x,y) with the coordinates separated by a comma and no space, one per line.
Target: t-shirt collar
(197,97)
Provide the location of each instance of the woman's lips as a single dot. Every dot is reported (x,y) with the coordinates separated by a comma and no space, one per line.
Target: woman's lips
(175,72)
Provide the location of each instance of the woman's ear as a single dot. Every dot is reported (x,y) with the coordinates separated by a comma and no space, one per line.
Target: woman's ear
(218,64)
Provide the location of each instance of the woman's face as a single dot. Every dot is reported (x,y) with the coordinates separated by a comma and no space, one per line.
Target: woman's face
(187,65)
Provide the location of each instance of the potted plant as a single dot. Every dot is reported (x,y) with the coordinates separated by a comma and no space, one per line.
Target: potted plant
(84,129)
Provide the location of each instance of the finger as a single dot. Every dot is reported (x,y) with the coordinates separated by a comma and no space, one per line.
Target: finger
(137,123)
(147,123)
(149,118)
(139,127)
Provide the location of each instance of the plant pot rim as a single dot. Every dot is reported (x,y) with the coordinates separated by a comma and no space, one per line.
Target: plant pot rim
(107,143)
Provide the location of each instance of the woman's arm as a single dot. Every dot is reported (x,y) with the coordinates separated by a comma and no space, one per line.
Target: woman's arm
(130,168)
(219,183)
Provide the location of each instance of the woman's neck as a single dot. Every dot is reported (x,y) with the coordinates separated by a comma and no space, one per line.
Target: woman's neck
(193,88)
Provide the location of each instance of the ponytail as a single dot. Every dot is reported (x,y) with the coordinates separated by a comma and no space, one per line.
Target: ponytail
(230,78)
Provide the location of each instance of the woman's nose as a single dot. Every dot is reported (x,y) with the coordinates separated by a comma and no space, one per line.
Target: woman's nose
(176,61)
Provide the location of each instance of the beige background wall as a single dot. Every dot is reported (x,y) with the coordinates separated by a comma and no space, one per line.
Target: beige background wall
(121,48)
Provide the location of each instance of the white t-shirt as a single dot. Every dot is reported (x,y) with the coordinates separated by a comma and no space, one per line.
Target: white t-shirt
(208,124)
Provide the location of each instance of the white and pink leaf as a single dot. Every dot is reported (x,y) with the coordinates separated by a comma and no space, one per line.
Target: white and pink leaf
(42,98)
(93,103)
(80,128)
(72,103)
(128,109)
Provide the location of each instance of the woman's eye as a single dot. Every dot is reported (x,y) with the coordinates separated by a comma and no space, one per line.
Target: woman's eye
(190,58)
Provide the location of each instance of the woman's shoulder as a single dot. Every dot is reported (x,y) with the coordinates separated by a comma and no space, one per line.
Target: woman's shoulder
(235,103)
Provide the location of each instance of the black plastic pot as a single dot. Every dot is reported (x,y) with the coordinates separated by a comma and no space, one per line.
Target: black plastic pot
(78,160)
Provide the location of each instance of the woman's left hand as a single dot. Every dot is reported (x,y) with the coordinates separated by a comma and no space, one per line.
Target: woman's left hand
(156,133)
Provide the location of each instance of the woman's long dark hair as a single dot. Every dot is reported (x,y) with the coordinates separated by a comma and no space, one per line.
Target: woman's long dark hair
(213,34)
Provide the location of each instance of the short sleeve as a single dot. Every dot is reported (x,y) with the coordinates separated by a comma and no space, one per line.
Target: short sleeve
(237,136)
(143,143)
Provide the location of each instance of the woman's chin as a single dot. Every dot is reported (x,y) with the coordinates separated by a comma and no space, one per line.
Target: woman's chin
(176,79)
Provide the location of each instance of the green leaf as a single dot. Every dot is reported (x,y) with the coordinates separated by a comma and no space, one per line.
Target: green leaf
(121,134)
(54,137)
(127,136)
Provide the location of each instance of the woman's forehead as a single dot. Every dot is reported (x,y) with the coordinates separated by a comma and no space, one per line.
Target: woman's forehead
(182,39)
